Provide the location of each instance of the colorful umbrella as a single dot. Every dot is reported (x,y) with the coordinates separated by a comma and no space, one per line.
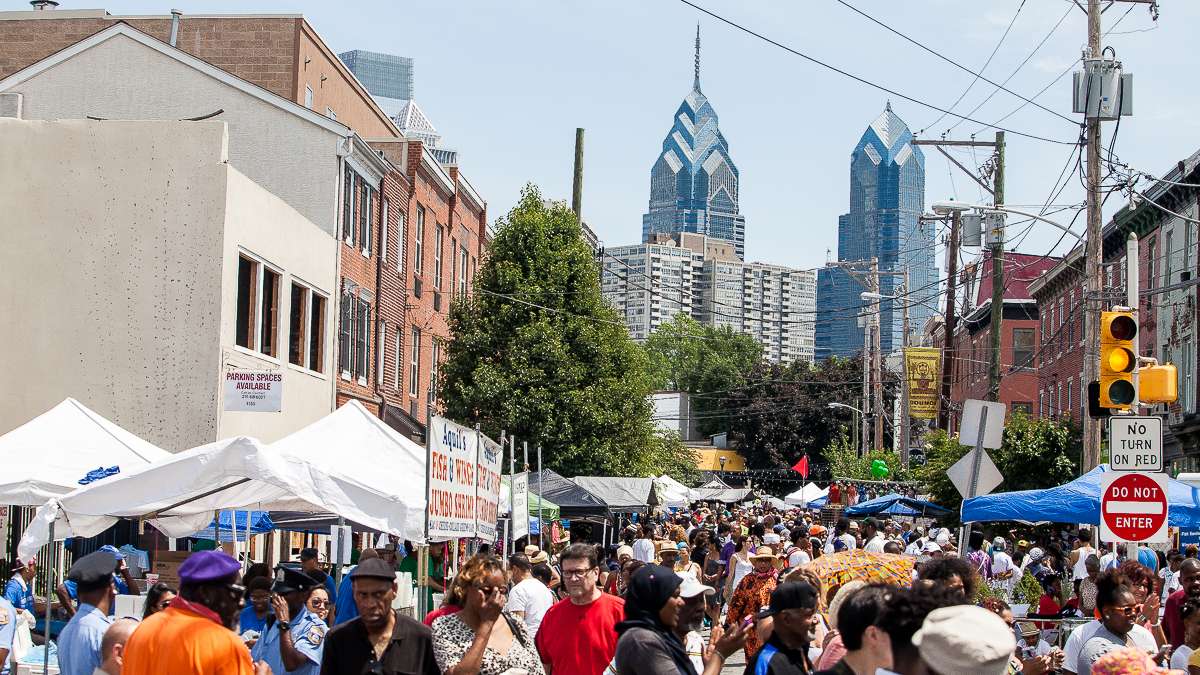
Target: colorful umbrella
(836,569)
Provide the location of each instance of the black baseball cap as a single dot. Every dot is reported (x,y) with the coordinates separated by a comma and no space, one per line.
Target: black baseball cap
(791,595)
(373,568)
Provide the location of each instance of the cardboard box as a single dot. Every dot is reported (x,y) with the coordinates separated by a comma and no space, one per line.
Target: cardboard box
(166,565)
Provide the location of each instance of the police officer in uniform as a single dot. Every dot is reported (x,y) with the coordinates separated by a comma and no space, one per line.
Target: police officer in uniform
(294,638)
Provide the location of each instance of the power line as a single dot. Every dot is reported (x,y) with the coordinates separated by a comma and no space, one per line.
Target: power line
(861,80)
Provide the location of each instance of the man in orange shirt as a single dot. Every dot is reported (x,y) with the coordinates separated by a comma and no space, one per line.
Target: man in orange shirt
(194,634)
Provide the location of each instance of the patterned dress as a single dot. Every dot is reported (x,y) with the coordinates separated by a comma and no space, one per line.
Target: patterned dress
(752,594)
(452,638)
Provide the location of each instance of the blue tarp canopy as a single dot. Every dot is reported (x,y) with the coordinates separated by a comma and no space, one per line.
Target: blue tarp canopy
(896,505)
(260,523)
(819,502)
(1075,502)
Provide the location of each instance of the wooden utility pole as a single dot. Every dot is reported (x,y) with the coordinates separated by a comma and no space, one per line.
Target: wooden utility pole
(1093,251)
(905,425)
(577,183)
(877,356)
(951,321)
(996,244)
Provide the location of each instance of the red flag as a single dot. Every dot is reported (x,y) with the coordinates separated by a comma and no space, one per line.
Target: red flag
(801,467)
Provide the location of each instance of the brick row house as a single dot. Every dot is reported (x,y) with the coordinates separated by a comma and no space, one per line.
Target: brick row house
(1167,308)
(411,229)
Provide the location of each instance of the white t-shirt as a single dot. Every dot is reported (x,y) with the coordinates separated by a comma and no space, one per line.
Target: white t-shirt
(915,547)
(643,549)
(1141,637)
(1107,562)
(798,557)
(693,643)
(533,598)
(1170,583)
(1179,658)
(875,545)
(1001,563)
(848,539)
(1080,569)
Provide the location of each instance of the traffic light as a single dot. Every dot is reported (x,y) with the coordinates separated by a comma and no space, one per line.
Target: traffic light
(1158,384)
(1095,410)
(1118,358)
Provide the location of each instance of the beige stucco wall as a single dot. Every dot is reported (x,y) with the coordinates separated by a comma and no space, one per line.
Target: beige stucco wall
(262,225)
(110,285)
(123,79)
(118,278)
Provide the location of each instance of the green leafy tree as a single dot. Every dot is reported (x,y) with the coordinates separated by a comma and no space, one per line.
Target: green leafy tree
(844,462)
(536,351)
(1034,454)
(704,361)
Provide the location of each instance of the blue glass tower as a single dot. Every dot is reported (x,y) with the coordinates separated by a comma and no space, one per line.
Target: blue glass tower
(887,197)
(694,183)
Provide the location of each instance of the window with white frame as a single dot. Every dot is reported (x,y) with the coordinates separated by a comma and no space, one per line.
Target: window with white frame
(463,284)
(433,370)
(308,97)
(306,337)
(419,242)
(354,334)
(399,353)
(1070,396)
(349,191)
(257,306)
(414,365)
(400,243)
(453,266)
(379,370)
(383,225)
(364,217)
(438,233)
(362,341)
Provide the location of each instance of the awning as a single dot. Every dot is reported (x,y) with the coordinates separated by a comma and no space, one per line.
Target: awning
(573,501)
(806,494)
(550,510)
(674,494)
(621,494)
(51,454)
(260,523)
(897,505)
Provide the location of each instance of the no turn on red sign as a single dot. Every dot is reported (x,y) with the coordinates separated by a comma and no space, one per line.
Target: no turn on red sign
(1133,507)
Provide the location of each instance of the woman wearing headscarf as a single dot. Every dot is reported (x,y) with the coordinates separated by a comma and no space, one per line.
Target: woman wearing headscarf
(648,643)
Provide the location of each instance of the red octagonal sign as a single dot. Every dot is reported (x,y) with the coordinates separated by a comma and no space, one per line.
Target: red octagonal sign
(1133,507)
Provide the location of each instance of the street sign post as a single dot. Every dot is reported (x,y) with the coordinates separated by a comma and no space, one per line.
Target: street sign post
(1135,443)
(1133,507)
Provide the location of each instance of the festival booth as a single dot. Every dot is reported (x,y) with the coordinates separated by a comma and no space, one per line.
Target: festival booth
(897,505)
(716,490)
(805,495)
(623,497)
(574,502)
(675,495)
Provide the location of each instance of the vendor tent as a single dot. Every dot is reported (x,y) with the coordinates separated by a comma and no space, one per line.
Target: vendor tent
(572,500)
(53,453)
(897,505)
(179,494)
(622,495)
(550,510)
(1075,502)
(806,494)
(260,523)
(674,494)
(717,490)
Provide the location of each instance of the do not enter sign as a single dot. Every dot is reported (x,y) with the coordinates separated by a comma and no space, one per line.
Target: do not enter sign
(1133,507)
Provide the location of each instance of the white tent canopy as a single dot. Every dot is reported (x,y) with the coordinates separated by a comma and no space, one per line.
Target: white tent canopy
(47,456)
(674,493)
(180,494)
(805,495)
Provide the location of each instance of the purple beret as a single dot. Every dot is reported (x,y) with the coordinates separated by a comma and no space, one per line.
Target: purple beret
(205,566)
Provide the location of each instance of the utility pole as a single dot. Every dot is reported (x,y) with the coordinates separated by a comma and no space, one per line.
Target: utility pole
(905,420)
(996,244)
(877,357)
(864,441)
(951,321)
(577,183)
(1091,435)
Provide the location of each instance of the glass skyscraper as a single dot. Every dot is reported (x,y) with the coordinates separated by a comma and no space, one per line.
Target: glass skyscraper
(887,197)
(694,183)
(385,75)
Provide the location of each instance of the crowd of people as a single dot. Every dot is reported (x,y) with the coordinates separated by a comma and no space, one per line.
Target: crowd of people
(678,594)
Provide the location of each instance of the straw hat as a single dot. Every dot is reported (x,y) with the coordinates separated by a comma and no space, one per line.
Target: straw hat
(665,547)
(767,553)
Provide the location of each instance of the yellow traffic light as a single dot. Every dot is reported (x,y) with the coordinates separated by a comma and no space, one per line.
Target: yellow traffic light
(1158,384)
(1118,357)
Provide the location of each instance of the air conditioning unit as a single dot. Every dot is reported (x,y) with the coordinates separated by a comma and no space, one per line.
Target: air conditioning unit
(437,301)
(416,287)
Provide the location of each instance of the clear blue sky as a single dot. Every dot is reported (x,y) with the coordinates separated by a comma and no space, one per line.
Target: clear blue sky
(508,82)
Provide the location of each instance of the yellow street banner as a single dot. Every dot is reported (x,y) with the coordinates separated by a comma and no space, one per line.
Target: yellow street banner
(922,365)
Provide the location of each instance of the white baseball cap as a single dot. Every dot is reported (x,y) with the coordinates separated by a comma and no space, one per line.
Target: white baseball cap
(691,586)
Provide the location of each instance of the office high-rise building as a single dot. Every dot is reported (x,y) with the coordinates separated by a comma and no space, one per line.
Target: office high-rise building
(694,182)
(384,75)
(887,197)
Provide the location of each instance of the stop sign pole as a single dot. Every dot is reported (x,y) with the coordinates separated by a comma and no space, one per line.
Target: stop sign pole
(1133,507)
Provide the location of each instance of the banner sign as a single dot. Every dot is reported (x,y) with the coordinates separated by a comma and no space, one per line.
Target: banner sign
(487,495)
(453,461)
(253,390)
(922,366)
(520,505)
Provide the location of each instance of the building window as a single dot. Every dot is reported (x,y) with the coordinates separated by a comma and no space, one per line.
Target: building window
(348,194)
(362,339)
(1042,403)
(399,355)
(400,243)
(364,217)
(307,329)
(383,228)
(414,364)
(453,266)
(345,335)
(462,274)
(1022,406)
(257,307)
(419,242)
(438,233)
(1070,396)
(1059,396)
(1023,349)
(379,370)
(355,337)
(433,370)
(308,97)
(330,114)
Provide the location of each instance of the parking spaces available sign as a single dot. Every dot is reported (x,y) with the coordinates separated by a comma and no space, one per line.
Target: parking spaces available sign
(487,494)
(1133,507)
(453,459)
(253,390)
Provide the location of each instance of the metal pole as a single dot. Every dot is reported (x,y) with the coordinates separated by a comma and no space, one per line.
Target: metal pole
(997,251)
(541,528)
(1132,291)
(877,357)
(577,182)
(525,445)
(905,424)
(951,322)
(975,463)
(1094,250)
(337,555)
(512,476)
(49,593)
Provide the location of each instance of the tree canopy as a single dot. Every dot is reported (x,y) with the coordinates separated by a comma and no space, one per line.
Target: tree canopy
(536,351)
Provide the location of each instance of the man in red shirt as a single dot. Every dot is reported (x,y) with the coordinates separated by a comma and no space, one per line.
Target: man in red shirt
(578,635)
(1189,578)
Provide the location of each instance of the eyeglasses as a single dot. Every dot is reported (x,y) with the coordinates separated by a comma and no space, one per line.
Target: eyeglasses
(318,603)
(1129,610)
(577,574)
